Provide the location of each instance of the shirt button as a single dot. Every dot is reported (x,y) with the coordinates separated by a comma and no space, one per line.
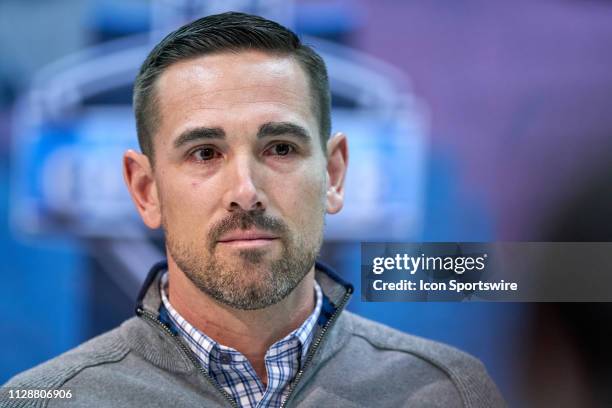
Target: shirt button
(225,358)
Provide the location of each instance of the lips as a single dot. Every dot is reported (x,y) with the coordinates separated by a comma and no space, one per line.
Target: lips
(247,235)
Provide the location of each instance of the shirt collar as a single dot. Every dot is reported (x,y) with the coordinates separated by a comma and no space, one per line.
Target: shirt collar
(202,345)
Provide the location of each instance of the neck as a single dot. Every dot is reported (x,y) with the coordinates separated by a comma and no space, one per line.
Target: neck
(251,332)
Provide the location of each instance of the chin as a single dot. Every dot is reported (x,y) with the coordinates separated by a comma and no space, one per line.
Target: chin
(253,257)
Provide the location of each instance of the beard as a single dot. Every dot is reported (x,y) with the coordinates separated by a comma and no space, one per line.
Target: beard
(247,281)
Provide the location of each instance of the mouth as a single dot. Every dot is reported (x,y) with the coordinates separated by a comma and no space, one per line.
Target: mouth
(247,239)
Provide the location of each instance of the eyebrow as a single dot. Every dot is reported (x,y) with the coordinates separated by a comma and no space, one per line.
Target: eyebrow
(200,133)
(266,130)
(283,128)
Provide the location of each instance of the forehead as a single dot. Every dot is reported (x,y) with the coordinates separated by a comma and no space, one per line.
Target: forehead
(230,89)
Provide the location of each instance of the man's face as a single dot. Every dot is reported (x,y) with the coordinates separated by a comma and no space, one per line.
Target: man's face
(240,175)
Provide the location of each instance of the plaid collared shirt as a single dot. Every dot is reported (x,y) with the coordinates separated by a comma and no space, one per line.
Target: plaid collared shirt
(234,373)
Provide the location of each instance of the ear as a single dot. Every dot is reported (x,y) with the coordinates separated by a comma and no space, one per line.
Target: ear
(337,162)
(138,175)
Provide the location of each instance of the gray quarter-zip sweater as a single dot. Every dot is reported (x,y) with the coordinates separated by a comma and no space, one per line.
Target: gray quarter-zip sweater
(353,362)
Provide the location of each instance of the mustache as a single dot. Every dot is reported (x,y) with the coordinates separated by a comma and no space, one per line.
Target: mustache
(245,220)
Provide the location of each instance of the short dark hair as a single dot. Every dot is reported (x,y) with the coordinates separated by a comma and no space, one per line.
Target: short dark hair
(218,33)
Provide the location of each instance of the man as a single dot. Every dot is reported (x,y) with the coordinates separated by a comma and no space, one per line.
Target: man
(233,118)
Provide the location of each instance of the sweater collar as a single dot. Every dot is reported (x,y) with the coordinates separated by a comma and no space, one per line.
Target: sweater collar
(146,338)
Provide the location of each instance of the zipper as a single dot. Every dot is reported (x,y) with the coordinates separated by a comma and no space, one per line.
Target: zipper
(315,346)
(150,316)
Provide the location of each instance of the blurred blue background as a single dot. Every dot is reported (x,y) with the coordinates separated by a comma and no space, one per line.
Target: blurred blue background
(468,121)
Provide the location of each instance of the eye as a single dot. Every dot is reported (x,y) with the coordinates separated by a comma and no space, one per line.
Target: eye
(281,149)
(204,154)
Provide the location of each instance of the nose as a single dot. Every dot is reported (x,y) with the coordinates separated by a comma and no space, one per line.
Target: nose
(242,191)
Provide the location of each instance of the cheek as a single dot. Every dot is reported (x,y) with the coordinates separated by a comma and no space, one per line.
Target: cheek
(184,211)
(305,202)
